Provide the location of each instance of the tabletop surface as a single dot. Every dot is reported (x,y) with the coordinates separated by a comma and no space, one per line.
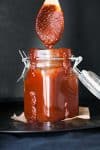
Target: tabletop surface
(88,139)
(84,140)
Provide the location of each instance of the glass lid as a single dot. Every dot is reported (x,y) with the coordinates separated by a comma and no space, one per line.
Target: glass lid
(88,78)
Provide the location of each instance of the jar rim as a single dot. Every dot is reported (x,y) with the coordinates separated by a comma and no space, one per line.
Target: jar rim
(50,54)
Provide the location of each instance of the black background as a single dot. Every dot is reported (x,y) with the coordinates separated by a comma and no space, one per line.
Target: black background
(17,31)
(82,34)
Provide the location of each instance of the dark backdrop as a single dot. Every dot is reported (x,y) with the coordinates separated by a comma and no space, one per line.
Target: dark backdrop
(17,31)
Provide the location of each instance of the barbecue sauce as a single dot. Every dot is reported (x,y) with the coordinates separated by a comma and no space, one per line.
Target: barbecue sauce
(50,25)
(50,86)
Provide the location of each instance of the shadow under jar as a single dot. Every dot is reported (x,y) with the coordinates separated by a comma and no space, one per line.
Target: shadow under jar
(50,86)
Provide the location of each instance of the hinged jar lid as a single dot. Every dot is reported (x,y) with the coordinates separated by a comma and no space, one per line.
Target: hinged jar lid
(88,78)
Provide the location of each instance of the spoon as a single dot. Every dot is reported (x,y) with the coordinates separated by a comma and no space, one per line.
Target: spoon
(50,23)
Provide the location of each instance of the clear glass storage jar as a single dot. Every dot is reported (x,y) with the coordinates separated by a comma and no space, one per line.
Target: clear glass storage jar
(50,86)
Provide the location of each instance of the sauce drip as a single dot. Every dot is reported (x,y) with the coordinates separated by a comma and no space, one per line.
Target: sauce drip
(50,24)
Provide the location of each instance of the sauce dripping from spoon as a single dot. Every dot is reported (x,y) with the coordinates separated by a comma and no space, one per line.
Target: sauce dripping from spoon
(50,23)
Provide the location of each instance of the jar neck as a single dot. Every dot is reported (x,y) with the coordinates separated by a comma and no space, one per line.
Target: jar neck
(49,58)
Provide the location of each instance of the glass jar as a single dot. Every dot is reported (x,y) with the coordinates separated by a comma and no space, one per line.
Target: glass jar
(50,86)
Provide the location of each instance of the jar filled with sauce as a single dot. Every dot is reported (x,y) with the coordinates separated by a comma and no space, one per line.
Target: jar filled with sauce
(50,86)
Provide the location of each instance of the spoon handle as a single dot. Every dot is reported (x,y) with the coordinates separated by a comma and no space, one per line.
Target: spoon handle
(53,2)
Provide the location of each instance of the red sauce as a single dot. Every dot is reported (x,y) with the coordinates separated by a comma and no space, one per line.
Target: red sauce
(50,25)
(50,92)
